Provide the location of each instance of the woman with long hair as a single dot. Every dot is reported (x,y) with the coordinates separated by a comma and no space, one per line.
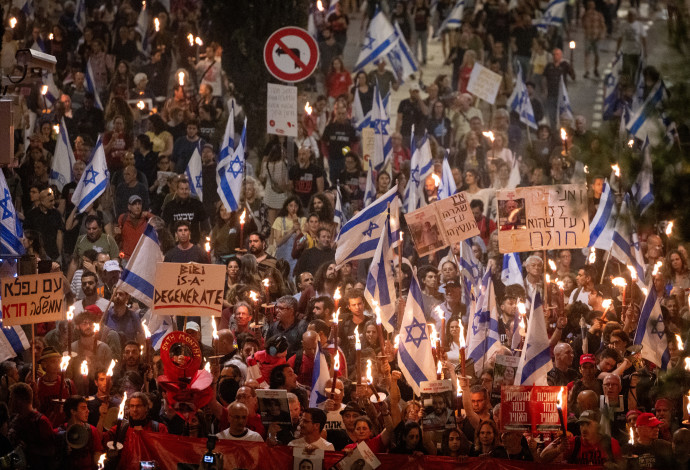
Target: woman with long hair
(122,80)
(454,443)
(161,139)
(499,149)
(321,205)
(287,228)
(487,442)
(412,441)
(274,174)
(383,183)
(224,234)
(453,339)
(249,272)
(677,271)
(232,278)
(253,196)
(338,80)
(468,61)
(438,125)
(366,93)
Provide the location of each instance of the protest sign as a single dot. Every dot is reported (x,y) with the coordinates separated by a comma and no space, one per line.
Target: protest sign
(281,110)
(368,145)
(273,407)
(442,224)
(530,408)
(303,458)
(35,298)
(542,218)
(189,289)
(437,399)
(361,458)
(505,369)
(484,83)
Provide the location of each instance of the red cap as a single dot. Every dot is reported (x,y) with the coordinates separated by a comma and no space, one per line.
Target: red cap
(95,310)
(647,419)
(587,358)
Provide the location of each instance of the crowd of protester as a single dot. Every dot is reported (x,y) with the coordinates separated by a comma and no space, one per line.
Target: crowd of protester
(149,126)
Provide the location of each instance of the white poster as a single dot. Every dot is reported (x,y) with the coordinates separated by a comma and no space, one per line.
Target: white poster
(281,110)
(484,83)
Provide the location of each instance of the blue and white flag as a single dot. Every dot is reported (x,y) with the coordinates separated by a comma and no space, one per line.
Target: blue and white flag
(360,235)
(338,214)
(361,120)
(331,7)
(638,96)
(26,6)
(520,103)
(564,107)
(160,326)
(380,285)
(447,187)
(401,57)
(553,15)
(604,222)
(512,270)
(94,180)
(13,341)
(379,40)
(644,122)
(643,188)
(193,172)
(80,14)
(11,232)
(383,147)
(91,85)
(421,166)
(49,91)
(63,159)
(454,18)
(143,22)
(139,275)
(319,378)
(414,353)
(611,87)
(535,361)
(471,270)
(651,332)
(230,170)
(370,188)
(483,339)
(626,244)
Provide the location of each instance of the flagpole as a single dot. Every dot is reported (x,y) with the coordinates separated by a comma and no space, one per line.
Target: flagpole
(401,306)
(33,351)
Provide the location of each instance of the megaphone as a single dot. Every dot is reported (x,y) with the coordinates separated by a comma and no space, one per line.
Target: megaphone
(77,435)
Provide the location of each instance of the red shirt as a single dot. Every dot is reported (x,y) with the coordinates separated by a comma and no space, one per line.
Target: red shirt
(593,454)
(131,233)
(400,156)
(82,459)
(338,83)
(110,434)
(375,444)
(121,143)
(48,392)
(304,375)
(266,363)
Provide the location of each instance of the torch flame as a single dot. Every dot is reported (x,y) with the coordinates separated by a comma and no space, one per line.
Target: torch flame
(437,180)
(84,368)
(439,368)
(64,362)
(522,308)
(141,105)
(336,295)
(336,362)
(687,364)
(97,327)
(215,330)
(559,399)
(207,245)
(180,78)
(377,311)
(592,255)
(548,279)
(552,265)
(396,341)
(190,38)
(101,462)
(679,340)
(458,389)
(564,134)
(631,142)
(619,282)
(461,343)
(560,284)
(110,369)
(13,22)
(51,37)
(56,128)
(645,291)
(522,325)
(633,273)
(669,228)
(358,343)
(157,24)
(198,41)
(434,335)
(606,303)
(632,437)
(336,316)
(253,295)
(242,217)
(489,134)
(617,170)
(207,367)
(439,312)
(265,282)
(121,411)
(147,332)
(370,378)
(44,90)
(70,313)
(572,44)
(586,169)
(307,109)
(657,266)
(319,5)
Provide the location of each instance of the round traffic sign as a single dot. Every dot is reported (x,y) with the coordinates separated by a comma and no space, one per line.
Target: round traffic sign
(291,54)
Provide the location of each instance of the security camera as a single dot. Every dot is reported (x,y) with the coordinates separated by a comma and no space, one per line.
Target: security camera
(32,59)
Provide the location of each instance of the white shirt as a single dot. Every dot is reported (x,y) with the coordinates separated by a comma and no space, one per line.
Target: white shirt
(320,444)
(100,303)
(248,435)
(582,296)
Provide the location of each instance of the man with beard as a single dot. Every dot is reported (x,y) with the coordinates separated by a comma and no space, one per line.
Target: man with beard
(47,220)
(131,225)
(123,320)
(131,361)
(257,247)
(97,354)
(138,404)
(94,239)
(287,325)
(102,400)
(312,258)
(89,286)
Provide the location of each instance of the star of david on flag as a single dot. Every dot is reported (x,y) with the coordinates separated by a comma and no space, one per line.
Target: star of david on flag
(193,172)
(11,232)
(94,180)
(651,332)
(319,378)
(230,170)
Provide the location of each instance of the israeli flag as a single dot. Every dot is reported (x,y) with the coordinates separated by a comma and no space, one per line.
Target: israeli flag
(370,188)
(415,359)
(564,102)
(11,233)
(383,147)
(644,121)
(651,332)
(447,187)
(193,172)
(512,270)
(643,188)
(553,15)
(401,57)
(319,378)
(63,160)
(421,166)
(483,339)
(535,361)
(380,286)
(626,115)
(626,245)
(611,86)
(604,222)
(671,136)
(94,180)
(52,92)
(361,120)
(338,214)
(331,7)
(454,18)
(139,275)
(80,14)
(13,341)
(520,103)
(471,270)
(230,170)
(360,235)
(91,85)
(380,39)
(27,8)
(638,97)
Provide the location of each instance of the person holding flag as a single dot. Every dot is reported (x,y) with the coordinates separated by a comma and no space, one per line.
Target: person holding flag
(552,74)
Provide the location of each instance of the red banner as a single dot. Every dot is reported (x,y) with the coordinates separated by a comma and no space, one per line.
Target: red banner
(531,408)
(168,450)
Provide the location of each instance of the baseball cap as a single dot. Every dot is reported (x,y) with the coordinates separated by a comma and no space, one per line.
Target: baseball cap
(134,198)
(589,416)
(352,406)
(647,419)
(587,358)
(111,265)
(192,325)
(94,309)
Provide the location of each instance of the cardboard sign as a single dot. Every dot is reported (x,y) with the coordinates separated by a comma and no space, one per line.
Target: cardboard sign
(303,459)
(542,218)
(505,369)
(484,83)
(442,224)
(361,458)
(281,110)
(368,143)
(274,407)
(531,408)
(189,289)
(437,399)
(35,298)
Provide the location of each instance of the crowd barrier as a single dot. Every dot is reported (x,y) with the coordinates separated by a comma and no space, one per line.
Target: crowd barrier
(169,450)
